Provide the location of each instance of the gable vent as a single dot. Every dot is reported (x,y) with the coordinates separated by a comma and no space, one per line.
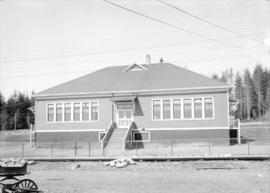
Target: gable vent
(135,67)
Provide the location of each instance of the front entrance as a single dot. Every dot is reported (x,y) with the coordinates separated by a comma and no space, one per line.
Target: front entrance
(124,118)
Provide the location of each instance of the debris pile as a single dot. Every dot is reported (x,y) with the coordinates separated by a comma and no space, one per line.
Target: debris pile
(12,162)
(120,162)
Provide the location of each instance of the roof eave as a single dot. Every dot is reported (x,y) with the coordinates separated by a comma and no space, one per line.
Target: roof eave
(128,92)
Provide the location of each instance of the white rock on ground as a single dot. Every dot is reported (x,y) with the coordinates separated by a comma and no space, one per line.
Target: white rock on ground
(120,162)
(75,166)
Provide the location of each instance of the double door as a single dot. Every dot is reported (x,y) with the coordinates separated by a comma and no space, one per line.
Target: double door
(124,118)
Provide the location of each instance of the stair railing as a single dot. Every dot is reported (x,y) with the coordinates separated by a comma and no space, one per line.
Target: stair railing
(108,134)
(127,141)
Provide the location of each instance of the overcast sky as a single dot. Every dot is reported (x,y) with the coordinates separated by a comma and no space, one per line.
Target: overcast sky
(46,42)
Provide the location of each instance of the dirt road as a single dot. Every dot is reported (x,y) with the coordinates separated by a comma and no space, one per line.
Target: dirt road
(154,177)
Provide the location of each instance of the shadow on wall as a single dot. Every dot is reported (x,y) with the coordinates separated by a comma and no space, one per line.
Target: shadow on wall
(138,108)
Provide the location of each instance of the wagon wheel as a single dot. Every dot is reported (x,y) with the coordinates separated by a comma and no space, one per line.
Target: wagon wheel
(26,184)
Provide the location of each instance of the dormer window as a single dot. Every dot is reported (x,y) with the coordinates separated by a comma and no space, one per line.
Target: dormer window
(135,67)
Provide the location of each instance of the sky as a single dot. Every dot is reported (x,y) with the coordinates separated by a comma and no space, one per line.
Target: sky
(47,42)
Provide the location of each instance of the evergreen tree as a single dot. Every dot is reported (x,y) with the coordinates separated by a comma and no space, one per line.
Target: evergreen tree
(239,95)
(248,87)
(3,113)
(258,81)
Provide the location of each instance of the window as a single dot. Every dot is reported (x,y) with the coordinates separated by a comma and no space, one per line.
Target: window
(177,108)
(59,112)
(197,108)
(166,109)
(94,111)
(187,109)
(142,136)
(76,111)
(208,108)
(124,105)
(67,113)
(50,111)
(85,111)
(156,110)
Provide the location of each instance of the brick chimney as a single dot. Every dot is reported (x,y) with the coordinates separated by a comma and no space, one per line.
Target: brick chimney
(148,59)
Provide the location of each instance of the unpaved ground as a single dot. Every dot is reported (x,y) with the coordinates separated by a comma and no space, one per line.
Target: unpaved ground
(154,177)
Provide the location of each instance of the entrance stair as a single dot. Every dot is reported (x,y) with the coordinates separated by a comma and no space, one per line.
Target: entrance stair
(115,144)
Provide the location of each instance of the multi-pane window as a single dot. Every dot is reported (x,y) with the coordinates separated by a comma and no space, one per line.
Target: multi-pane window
(166,109)
(94,111)
(208,108)
(156,110)
(50,113)
(197,108)
(76,111)
(177,108)
(187,108)
(72,111)
(67,112)
(183,108)
(85,111)
(59,112)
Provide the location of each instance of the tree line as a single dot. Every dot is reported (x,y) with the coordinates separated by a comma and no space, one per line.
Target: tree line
(251,90)
(14,112)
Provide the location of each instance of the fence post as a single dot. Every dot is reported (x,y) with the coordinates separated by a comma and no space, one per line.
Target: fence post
(75,148)
(248,148)
(22,153)
(171,148)
(52,150)
(209,148)
(136,148)
(89,148)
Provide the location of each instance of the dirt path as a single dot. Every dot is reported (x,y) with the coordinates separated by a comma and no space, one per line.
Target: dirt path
(154,177)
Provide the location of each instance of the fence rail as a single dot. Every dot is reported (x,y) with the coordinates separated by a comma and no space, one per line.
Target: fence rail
(154,148)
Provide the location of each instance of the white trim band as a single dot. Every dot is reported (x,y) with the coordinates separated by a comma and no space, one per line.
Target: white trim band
(187,128)
(94,130)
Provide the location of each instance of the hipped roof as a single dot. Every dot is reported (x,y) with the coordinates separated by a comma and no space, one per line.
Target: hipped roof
(117,78)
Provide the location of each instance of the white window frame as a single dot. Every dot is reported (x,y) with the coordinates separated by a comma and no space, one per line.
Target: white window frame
(152,113)
(182,108)
(72,111)
(169,110)
(202,99)
(192,106)
(62,115)
(90,108)
(213,101)
(47,108)
(148,140)
(80,117)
